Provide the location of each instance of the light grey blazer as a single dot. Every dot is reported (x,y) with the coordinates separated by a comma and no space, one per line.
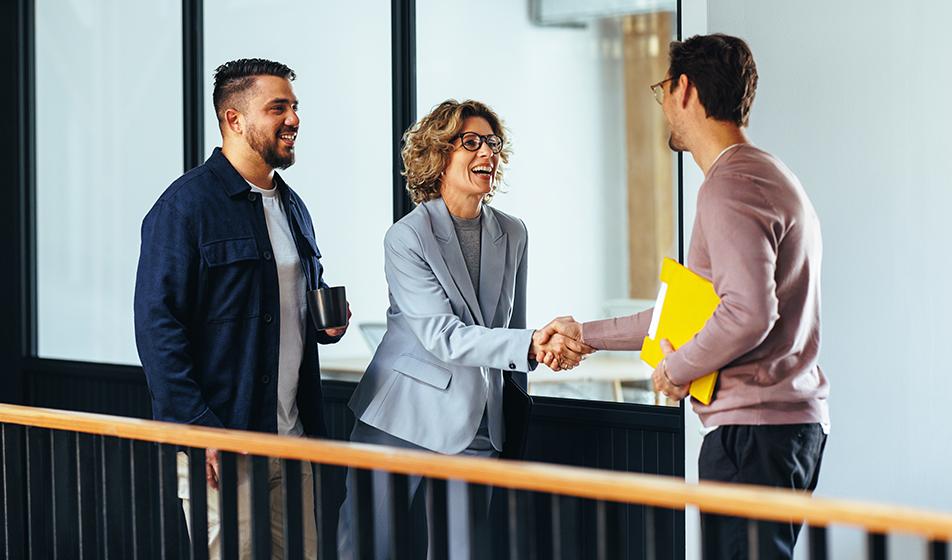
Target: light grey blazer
(442,358)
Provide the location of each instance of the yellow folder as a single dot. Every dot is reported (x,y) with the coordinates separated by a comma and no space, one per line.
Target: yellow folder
(685,303)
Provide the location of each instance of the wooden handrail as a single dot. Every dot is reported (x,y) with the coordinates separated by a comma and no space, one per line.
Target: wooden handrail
(752,502)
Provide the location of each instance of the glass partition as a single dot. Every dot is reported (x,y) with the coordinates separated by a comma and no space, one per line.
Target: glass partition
(108,142)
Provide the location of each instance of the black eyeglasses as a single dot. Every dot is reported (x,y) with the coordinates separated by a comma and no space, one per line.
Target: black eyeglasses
(472,141)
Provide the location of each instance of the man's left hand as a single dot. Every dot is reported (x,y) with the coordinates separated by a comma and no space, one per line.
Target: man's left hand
(340,330)
(662,383)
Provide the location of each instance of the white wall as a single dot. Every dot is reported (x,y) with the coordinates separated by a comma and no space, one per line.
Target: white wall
(853,96)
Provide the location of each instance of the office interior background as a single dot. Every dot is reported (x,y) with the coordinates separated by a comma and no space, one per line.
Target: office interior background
(853,97)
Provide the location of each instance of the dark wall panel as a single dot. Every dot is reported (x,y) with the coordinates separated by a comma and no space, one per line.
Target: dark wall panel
(117,390)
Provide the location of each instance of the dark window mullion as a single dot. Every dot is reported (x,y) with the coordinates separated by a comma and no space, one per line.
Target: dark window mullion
(403,71)
(192,87)
(17,153)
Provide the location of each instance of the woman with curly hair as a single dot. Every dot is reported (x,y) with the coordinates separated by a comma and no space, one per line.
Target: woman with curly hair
(456,327)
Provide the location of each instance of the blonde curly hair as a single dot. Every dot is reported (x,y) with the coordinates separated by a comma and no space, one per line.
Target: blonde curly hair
(428,144)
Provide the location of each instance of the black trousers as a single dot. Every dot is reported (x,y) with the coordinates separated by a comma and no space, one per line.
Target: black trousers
(784,456)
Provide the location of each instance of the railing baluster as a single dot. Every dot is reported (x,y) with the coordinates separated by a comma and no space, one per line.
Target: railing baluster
(601,531)
(39,514)
(260,508)
(65,499)
(115,517)
(169,507)
(198,503)
(400,513)
(293,508)
(318,493)
(228,503)
(512,524)
(938,550)
(141,505)
(3,491)
(651,534)
(876,546)
(102,534)
(818,545)
(569,523)
(56,489)
(14,499)
(120,483)
(363,522)
(84,504)
(437,519)
(753,539)
(556,527)
(532,524)
(30,500)
(479,543)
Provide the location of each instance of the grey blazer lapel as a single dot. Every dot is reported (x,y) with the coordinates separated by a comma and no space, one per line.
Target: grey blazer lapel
(492,264)
(452,255)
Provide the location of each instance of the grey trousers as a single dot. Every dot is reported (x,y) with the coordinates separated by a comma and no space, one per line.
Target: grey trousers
(457,509)
(244,509)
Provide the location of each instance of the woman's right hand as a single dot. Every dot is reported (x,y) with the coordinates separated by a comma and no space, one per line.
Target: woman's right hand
(558,351)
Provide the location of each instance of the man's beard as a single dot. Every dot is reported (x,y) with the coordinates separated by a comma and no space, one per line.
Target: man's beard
(267,147)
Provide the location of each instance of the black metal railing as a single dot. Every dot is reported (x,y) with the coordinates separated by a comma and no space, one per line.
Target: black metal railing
(78,485)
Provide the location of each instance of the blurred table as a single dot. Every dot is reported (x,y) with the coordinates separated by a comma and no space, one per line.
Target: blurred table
(611,368)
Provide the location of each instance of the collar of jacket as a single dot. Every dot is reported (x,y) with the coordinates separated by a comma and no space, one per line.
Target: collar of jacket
(491,263)
(443,227)
(232,181)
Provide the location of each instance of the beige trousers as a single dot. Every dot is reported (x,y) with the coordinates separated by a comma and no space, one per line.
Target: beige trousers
(244,509)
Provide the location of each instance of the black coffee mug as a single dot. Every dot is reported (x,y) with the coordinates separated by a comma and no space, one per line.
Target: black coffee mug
(328,307)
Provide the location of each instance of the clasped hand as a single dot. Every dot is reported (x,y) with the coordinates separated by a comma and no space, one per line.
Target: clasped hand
(662,383)
(558,345)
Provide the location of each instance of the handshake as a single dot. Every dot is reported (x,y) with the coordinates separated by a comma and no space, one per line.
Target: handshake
(558,345)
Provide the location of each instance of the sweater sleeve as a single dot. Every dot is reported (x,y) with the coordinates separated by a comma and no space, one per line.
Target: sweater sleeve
(619,333)
(741,232)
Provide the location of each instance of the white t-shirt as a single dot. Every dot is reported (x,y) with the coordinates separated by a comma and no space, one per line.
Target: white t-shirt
(291,291)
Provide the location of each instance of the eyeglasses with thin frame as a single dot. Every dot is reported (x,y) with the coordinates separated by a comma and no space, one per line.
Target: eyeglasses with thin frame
(472,141)
(658,90)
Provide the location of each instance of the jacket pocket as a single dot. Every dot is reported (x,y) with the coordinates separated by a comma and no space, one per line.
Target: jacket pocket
(229,251)
(431,374)
(232,287)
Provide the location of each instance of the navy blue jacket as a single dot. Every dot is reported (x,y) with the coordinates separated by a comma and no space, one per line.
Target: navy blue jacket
(207,307)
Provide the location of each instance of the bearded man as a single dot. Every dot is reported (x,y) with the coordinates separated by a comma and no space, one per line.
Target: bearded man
(228,253)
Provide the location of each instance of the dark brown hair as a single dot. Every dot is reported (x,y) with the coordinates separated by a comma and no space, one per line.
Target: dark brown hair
(722,70)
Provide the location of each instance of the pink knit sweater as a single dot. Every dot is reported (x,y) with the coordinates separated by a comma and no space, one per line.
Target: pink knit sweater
(757,238)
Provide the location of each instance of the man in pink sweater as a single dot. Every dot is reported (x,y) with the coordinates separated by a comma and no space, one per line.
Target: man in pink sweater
(757,238)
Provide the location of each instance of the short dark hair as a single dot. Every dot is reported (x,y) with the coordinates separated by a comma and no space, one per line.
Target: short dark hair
(722,70)
(236,77)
